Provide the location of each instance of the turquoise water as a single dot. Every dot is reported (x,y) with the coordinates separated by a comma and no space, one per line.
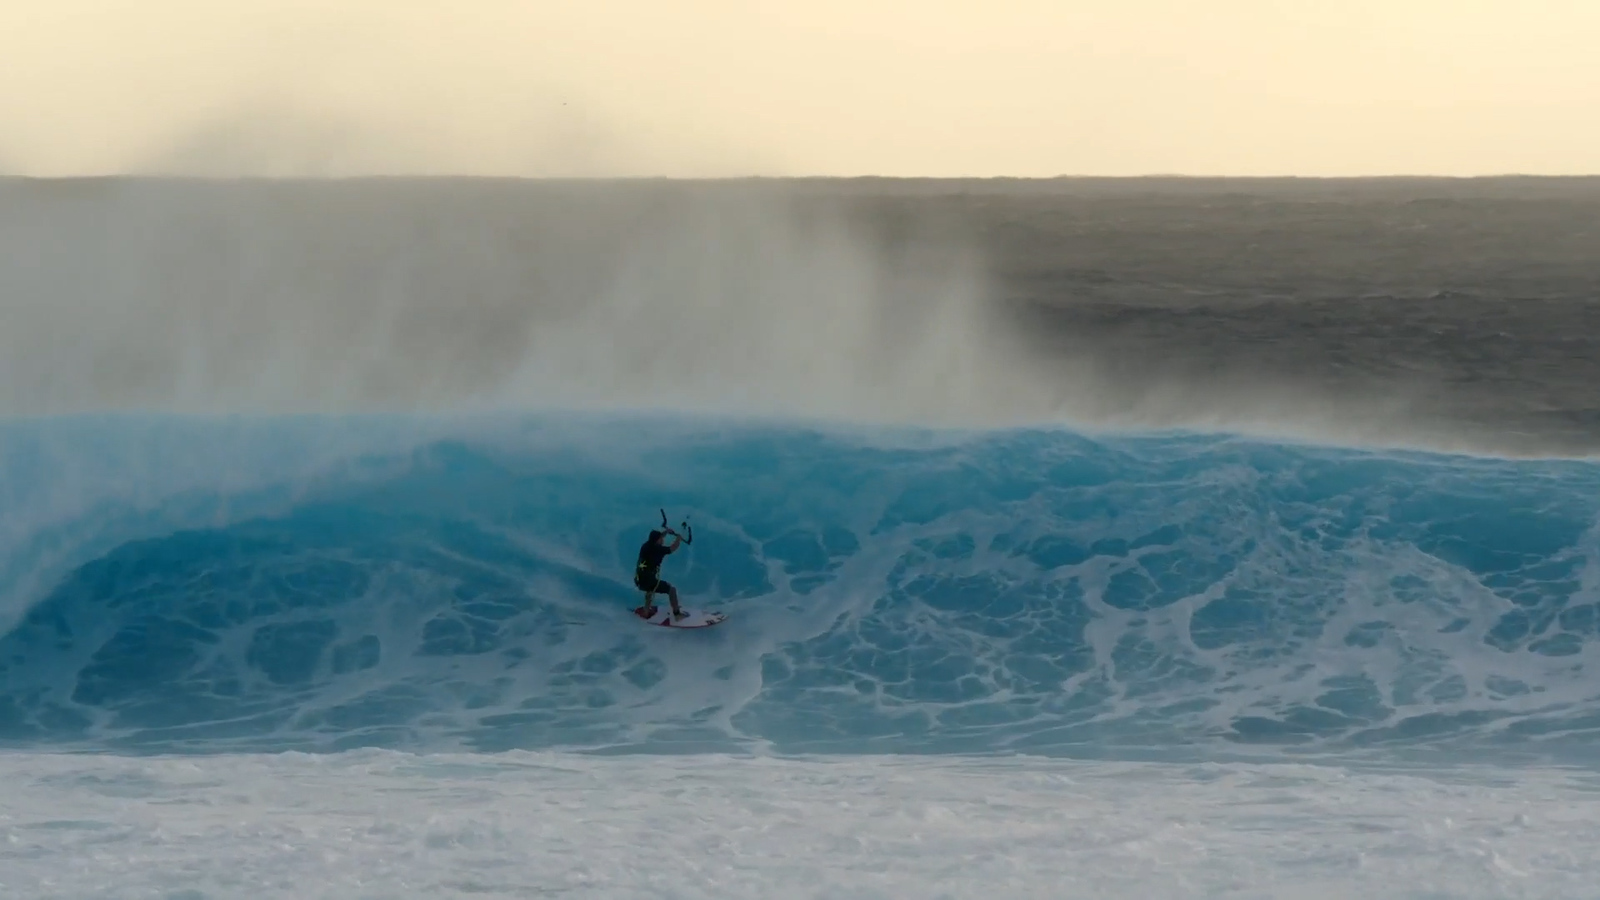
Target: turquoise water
(328,584)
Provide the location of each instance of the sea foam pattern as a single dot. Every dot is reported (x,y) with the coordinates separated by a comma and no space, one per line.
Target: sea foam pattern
(437,586)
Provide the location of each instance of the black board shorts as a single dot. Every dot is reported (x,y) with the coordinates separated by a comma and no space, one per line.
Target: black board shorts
(661,586)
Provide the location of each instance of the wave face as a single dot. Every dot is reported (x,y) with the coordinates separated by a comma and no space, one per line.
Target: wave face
(422,586)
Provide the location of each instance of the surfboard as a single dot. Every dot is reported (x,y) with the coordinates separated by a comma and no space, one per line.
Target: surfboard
(695,619)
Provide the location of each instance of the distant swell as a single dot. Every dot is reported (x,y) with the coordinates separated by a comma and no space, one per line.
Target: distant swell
(1024,591)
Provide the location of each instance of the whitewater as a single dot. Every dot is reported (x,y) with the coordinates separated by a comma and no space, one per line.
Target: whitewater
(310,589)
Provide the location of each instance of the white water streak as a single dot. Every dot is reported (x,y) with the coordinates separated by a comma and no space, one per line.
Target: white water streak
(379,824)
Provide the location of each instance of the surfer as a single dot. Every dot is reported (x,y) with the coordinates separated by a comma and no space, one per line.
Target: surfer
(647,574)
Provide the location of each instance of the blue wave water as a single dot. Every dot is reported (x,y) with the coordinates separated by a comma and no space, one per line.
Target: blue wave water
(327,584)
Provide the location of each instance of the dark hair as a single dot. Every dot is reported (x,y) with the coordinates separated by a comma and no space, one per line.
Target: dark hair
(655,536)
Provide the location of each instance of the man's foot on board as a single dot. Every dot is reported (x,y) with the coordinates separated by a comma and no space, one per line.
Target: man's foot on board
(679,614)
(645,612)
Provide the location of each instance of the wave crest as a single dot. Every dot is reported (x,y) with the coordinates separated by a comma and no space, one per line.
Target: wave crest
(1020,592)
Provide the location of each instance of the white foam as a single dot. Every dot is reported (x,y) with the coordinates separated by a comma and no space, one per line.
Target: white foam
(380,824)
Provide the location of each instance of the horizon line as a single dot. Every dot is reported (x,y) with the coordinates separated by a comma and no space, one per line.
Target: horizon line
(687,179)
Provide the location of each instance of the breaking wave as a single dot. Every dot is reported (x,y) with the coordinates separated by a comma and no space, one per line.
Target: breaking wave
(322,584)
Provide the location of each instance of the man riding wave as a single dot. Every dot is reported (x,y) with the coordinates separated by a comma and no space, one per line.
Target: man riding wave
(647,573)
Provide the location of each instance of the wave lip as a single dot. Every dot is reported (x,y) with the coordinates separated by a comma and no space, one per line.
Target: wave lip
(1025,591)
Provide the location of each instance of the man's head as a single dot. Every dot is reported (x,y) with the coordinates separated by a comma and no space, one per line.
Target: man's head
(655,537)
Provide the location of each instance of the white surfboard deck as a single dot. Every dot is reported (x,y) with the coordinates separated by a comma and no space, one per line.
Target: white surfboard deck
(695,619)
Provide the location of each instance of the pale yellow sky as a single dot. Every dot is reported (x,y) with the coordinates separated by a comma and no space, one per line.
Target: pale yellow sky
(806,87)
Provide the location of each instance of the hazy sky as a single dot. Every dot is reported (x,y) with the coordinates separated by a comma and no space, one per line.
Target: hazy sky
(801,87)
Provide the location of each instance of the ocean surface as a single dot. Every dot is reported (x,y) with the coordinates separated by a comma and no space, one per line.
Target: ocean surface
(319,504)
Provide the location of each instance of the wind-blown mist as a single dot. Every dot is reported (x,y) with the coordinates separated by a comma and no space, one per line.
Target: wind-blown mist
(402,296)
(751,298)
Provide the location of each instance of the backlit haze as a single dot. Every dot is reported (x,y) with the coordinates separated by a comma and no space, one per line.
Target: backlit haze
(826,87)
